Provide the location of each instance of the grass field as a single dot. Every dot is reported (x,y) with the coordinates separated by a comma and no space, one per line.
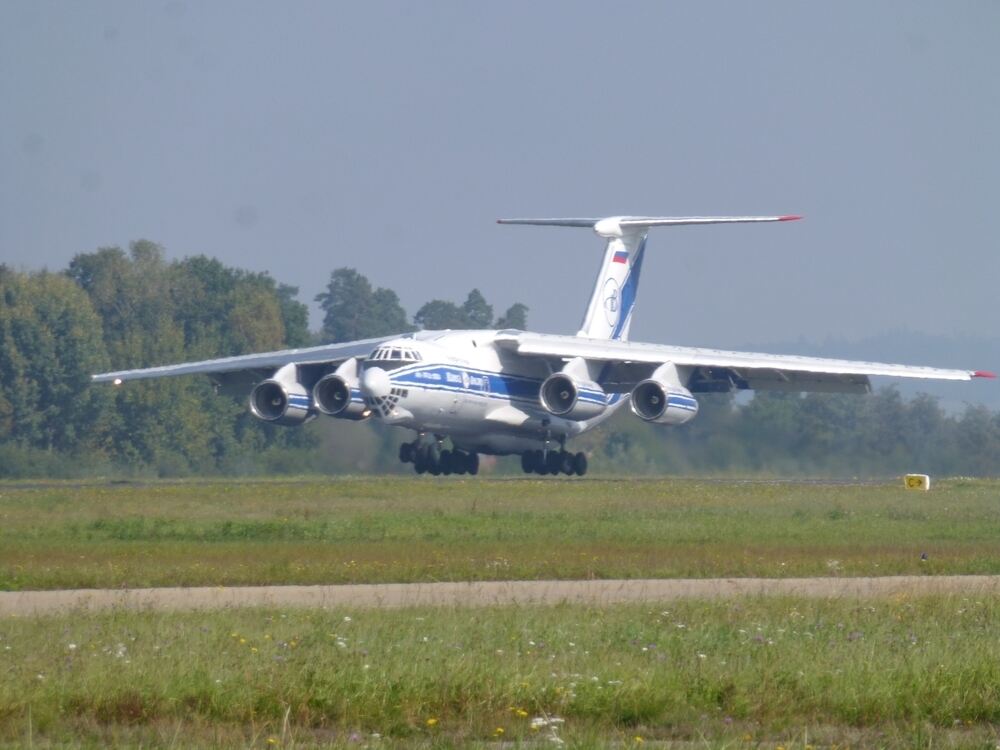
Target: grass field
(919,672)
(380,530)
(748,672)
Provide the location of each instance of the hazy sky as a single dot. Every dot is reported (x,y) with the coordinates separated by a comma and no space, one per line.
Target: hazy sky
(298,137)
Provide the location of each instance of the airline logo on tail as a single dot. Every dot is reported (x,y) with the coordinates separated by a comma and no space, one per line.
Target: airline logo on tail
(612,302)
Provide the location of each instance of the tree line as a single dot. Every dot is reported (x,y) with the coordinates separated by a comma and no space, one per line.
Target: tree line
(121,309)
(118,309)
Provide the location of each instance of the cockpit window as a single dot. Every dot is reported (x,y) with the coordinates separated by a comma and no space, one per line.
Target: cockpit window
(390,357)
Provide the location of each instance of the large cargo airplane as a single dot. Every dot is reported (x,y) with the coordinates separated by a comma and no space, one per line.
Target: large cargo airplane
(514,392)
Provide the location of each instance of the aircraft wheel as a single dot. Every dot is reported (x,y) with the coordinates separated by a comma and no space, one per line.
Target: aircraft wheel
(406,452)
(540,466)
(528,462)
(553,462)
(446,461)
(472,463)
(420,461)
(434,459)
(459,462)
(538,462)
(580,463)
(566,461)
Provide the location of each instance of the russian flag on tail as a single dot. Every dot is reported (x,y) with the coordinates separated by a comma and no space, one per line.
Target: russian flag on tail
(621,256)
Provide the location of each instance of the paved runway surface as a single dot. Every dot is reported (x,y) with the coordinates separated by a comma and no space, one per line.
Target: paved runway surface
(483,593)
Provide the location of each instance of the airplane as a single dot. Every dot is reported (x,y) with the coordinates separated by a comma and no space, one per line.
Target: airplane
(515,392)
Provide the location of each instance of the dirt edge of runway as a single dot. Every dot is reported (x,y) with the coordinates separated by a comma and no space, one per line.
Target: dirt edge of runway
(480,593)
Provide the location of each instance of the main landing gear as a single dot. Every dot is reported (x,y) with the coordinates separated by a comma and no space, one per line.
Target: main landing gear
(554,462)
(430,458)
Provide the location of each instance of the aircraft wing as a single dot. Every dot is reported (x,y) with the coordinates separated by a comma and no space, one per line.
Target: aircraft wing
(315,355)
(718,370)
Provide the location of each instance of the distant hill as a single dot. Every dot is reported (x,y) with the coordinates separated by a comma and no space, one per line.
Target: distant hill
(911,348)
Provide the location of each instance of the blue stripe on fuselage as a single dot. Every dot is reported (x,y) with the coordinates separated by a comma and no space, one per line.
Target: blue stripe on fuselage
(484,383)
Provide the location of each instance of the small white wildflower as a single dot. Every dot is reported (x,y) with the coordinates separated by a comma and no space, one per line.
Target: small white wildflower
(72,647)
(367,666)
(346,618)
(540,722)
(702,656)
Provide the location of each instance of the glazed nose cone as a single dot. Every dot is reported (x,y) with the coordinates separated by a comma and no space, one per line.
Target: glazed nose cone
(375,383)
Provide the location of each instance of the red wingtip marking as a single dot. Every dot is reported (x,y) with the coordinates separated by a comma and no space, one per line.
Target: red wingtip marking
(984,374)
(789,218)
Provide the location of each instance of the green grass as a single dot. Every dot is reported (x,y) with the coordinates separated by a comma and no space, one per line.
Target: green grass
(746,673)
(377,530)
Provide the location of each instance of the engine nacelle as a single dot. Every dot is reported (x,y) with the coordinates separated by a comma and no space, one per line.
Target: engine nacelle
(280,402)
(565,396)
(663,403)
(338,396)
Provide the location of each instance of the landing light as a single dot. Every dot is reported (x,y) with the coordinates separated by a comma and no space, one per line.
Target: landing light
(117,381)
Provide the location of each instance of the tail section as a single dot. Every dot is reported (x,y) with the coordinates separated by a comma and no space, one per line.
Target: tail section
(609,313)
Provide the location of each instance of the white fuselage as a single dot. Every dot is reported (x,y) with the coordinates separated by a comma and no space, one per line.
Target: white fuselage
(463,387)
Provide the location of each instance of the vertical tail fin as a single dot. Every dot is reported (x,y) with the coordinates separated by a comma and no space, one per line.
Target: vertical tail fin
(609,313)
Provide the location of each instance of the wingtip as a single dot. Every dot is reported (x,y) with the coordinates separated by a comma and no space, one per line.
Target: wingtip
(790,217)
(984,374)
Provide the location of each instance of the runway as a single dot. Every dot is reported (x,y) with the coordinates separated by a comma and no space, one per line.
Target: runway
(481,593)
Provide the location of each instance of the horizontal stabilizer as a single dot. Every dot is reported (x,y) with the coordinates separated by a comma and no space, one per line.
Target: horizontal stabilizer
(609,313)
(641,222)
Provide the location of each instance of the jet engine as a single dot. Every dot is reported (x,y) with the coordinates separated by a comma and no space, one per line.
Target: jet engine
(281,399)
(572,398)
(662,399)
(336,394)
